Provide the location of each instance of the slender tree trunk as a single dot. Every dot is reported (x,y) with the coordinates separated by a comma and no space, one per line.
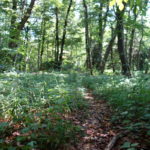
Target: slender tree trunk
(64,36)
(87,40)
(127,35)
(47,48)
(108,50)
(105,17)
(102,30)
(112,60)
(13,35)
(57,39)
(27,49)
(39,47)
(38,57)
(140,55)
(132,38)
(43,41)
(131,47)
(98,64)
(97,51)
(121,50)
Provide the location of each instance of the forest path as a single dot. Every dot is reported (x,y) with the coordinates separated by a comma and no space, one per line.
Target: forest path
(95,123)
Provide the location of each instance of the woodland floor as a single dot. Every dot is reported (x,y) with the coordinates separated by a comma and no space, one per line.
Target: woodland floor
(98,131)
(95,125)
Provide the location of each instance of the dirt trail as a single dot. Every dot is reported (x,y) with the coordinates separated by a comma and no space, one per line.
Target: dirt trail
(96,125)
(98,130)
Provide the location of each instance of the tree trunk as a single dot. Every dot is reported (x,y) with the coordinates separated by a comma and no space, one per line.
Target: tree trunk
(27,58)
(97,57)
(13,35)
(140,55)
(57,39)
(127,35)
(105,17)
(64,36)
(131,47)
(121,50)
(132,38)
(17,27)
(26,16)
(43,41)
(87,44)
(38,57)
(108,50)
(112,61)
(100,37)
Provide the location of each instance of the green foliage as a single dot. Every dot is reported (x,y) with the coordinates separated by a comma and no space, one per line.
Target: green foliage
(129,146)
(33,108)
(129,98)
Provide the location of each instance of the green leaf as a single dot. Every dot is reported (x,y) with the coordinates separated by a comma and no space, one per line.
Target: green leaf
(126,145)
(134,144)
(11,148)
(32,143)
(124,113)
(1,141)
(25,130)
(131,148)
(148,132)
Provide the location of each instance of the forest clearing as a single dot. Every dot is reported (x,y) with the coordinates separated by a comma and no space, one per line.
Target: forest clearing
(74,75)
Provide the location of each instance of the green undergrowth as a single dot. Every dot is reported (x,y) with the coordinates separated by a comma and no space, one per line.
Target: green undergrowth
(33,108)
(128,97)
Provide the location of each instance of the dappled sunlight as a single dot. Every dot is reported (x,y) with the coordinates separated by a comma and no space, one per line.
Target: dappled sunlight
(74,75)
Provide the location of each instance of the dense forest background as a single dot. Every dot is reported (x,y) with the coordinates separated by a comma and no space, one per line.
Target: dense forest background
(53,34)
(74,75)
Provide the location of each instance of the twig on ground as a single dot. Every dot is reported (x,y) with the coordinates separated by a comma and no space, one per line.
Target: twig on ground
(112,143)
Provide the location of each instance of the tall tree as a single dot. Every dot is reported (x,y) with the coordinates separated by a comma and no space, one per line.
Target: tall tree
(132,36)
(101,15)
(64,35)
(108,50)
(120,35)
(43,40)
(13,34)
(100,36)
(56,37)
(87,40)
